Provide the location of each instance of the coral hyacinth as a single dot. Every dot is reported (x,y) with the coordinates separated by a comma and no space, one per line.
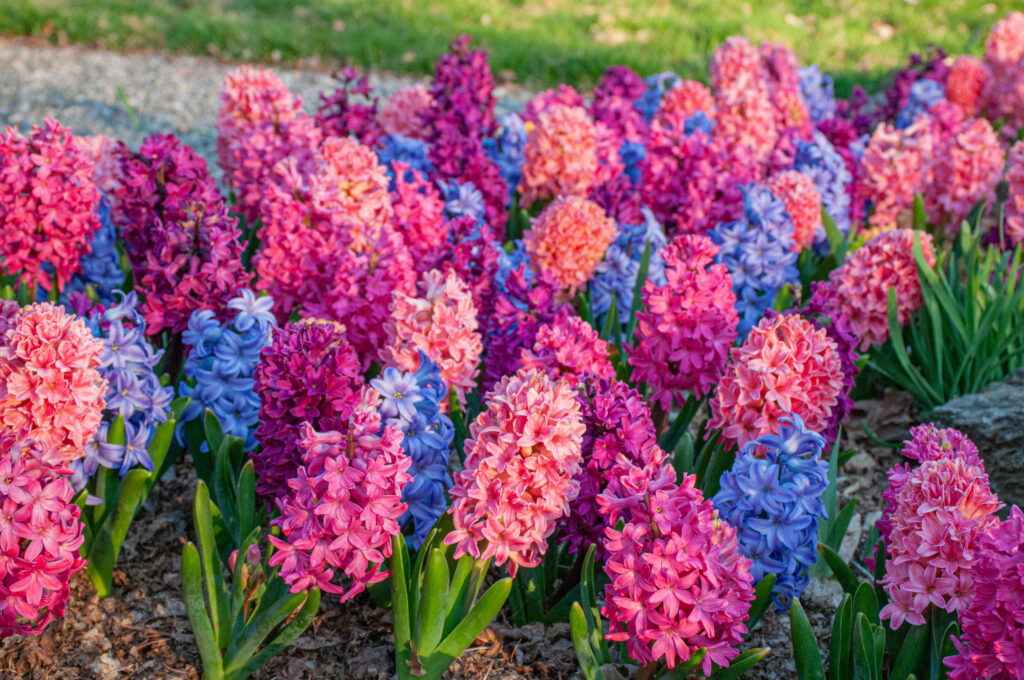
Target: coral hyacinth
(568,239)
(966,168)
(522,456)
(803,203)
(561,155)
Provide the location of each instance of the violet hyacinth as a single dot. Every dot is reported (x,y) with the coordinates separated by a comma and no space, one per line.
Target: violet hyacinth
(101,267)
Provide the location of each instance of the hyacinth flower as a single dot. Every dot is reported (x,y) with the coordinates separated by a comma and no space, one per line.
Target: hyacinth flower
(222,361)
(415,153)
(967,166)
(568,349)
(402,112)
(803,203)
(39,538)
(773,496)
(935,518)
(992,642)
(411,402)
(1013,228)
(759,252)
(561,155)
(893,168)
(51,390)
(48,205)
(818,92)
(350,110)
(568,239)
(819,160)
(507,149)
(687,326)
(101,272)
(657,85)
(616,275)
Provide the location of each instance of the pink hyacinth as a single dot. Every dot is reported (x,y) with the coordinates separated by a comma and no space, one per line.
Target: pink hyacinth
(1004,47)
(402,113)
(309,374)
(563,95)
(39,537)
(614,102)
(342,507)
(1014,225)
(679,583)
(992,642)
(894,168)
(785,365)
(350,187)
(103,153)
(568,348)
(803,203)
(47,205)
(967,84)
(684,100)
(938,516)
(966,168)
(862,284)
(518,479)
(1004,55)
(441,321)
(561,155)
(419,217)
(687,326)
(569,239)
(745,114)
(50,388)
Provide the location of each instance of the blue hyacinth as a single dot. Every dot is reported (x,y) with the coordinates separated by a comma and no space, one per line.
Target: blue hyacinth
(409,150)
(134,392)
(221,363)
(633,154)
(462,200)
(617,274)
(657,86)
(507,150)
(758,252)
(772,496)
(818,93)
(101,267)
(924,94)
(819,160)
(509,261)
(411,402)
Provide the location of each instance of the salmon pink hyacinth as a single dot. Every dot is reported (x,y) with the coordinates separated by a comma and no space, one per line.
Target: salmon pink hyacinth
(803,203)
(967,84)
(679,583)
(686,327)
(939,515)
(966,168)
(522,457)
(419,217)
(569,239)
(992,642)
(441,321)
(561,155)
(785,365)
(39,537)
(862,284)
(684,100)
(342,507)
(47,205)
(350,187)
(1014,225)
(50,387)
(568,348)
(402,113)
(894,168)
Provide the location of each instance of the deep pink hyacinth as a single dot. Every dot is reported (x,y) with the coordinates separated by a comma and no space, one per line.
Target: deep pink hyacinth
(966,168)
(350,110)
(967,84)
(518,479)
(474,257)
(686,327)
(419,217)
(569,348)
(679,583)
(745,115)
(441,321)
(309,374)
(402,113)
(569,239)
(619,435)
(862,284)
(614,101)
(785,365)
(938,514)
(47,205)
(1014,224)
(894,168)
(992,642)
(563,95)
(50,388)
(342,507)
(39,537)
(561,155)
(803,203)
(682,101)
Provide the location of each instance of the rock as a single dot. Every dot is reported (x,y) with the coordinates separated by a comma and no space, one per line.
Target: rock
(994,420)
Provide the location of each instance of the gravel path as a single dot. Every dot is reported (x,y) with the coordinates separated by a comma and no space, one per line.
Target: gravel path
(131,96)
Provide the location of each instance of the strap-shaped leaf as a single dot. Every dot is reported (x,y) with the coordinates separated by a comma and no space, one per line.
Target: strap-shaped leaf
(839,645)
(589,666)
(806,657)
(741,664)
(400,606)
(591,608)
(457,593)
(912,652)
(840,569)
(258,633)
(864,667)
(478,618)
(202,627)
(289,634)
(762,598)
(213,578)
(683,670)
(839,525)
(213,431)
(109,536)
(430,616)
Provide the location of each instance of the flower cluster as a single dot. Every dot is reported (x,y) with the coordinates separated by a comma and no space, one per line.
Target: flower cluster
(894,168)
(938,512)
(616,275)
(561,155)
(308,374)
(687,326)
(51,390)
(518,479)
(351,110)
(965,169)
(569,239)
(39,537)
(222,363)
(411,403)
(101,268)
(47,205)
(569,348)
(785,366)
(819,160)
(402,113)
(1014,225)
(862,284)
(802,201)
(773,496)
(343,506)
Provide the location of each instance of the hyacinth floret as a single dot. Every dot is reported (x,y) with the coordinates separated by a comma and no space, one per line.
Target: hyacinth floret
(569,348)
(568,239)
(772,496)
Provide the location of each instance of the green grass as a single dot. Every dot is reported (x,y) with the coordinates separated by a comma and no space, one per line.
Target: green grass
(541,42)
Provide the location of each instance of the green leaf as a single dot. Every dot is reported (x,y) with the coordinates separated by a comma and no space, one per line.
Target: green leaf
(400,606)
(581,642)
(110,534)
(920,216)
(806,657)
(258,633)
(839,662)
(641,278)
(912,652)
(214,432)
(840,569)
(762,598)
(835,237)
(866,602)
(741,664)
(431,613)
(683,670)
(289,634)
(839,525)
(478,618)
(202,627)
(864,665)
(213,577)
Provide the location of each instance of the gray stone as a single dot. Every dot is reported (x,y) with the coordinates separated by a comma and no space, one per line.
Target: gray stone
(994,420)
